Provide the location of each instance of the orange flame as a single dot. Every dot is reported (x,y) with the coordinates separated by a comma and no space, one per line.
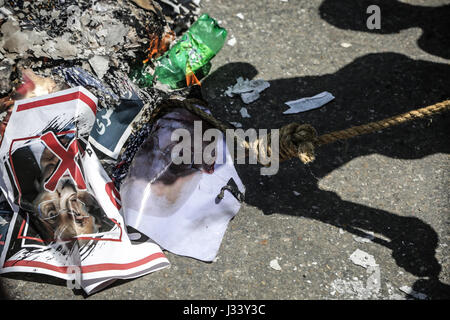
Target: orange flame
(158,46)
(191,79)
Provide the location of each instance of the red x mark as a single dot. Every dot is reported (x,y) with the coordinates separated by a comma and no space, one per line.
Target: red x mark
(67,157)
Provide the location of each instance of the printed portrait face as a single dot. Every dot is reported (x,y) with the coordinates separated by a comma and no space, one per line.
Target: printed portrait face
(65,211)
(51,185)
(155,186)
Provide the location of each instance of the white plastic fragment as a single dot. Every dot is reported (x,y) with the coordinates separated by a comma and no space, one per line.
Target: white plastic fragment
(368,237)
(237,124)
(346,45)
(306,104)
(100,65)
(249,97)
(232,41)
(244,113)
(248,89)
(240,16)
(363,259)
(275,265)
(413,293)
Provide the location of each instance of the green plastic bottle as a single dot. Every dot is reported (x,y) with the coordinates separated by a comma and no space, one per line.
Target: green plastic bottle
(189,59)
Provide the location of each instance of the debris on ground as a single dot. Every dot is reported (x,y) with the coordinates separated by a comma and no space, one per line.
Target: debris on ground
(356,288)
(363,259)
(411,292)
(306,104)
(275,265)
(236,124)
(249,90)
(244,113)
(232,41)
(368,237)
(119,59)
(189,59)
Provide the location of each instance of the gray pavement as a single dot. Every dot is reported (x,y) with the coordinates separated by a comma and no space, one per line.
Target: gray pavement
(390,187)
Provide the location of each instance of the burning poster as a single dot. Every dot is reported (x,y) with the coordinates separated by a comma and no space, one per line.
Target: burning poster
(66,211)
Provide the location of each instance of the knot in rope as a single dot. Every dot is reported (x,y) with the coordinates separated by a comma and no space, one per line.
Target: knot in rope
(297,140)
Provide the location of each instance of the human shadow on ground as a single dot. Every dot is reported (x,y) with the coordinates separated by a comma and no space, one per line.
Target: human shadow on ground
(395,17)
(370,88)
(3,293)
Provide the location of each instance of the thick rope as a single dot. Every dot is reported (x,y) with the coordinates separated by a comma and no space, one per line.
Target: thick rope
(298,140)
(383,124)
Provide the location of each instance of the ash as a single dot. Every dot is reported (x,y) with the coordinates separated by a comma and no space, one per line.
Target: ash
(105,38)
(90,43)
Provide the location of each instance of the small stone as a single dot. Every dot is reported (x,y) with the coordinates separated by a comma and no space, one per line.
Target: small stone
(275,265)
(232,41)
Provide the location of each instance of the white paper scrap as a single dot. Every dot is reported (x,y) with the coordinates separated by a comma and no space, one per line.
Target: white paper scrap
(306,104)
(363,259)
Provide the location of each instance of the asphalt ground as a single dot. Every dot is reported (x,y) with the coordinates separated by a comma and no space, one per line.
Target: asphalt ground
(390,186)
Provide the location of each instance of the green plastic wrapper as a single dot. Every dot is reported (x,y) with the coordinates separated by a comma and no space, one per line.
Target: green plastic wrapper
(190,57)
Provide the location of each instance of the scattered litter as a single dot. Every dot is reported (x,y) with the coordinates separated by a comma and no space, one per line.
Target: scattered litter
(413,293)
(346,45)
(363,259)
(373,283)
(305,104)
(368,237)
(189,58)
(145,4)
(341,231)
(275,265)
(296,193)
(244,113)
(237,124)
(356,288)
(249,90)
(392,295)
(232,41)
(100,64)
(346,287)
(240,16)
